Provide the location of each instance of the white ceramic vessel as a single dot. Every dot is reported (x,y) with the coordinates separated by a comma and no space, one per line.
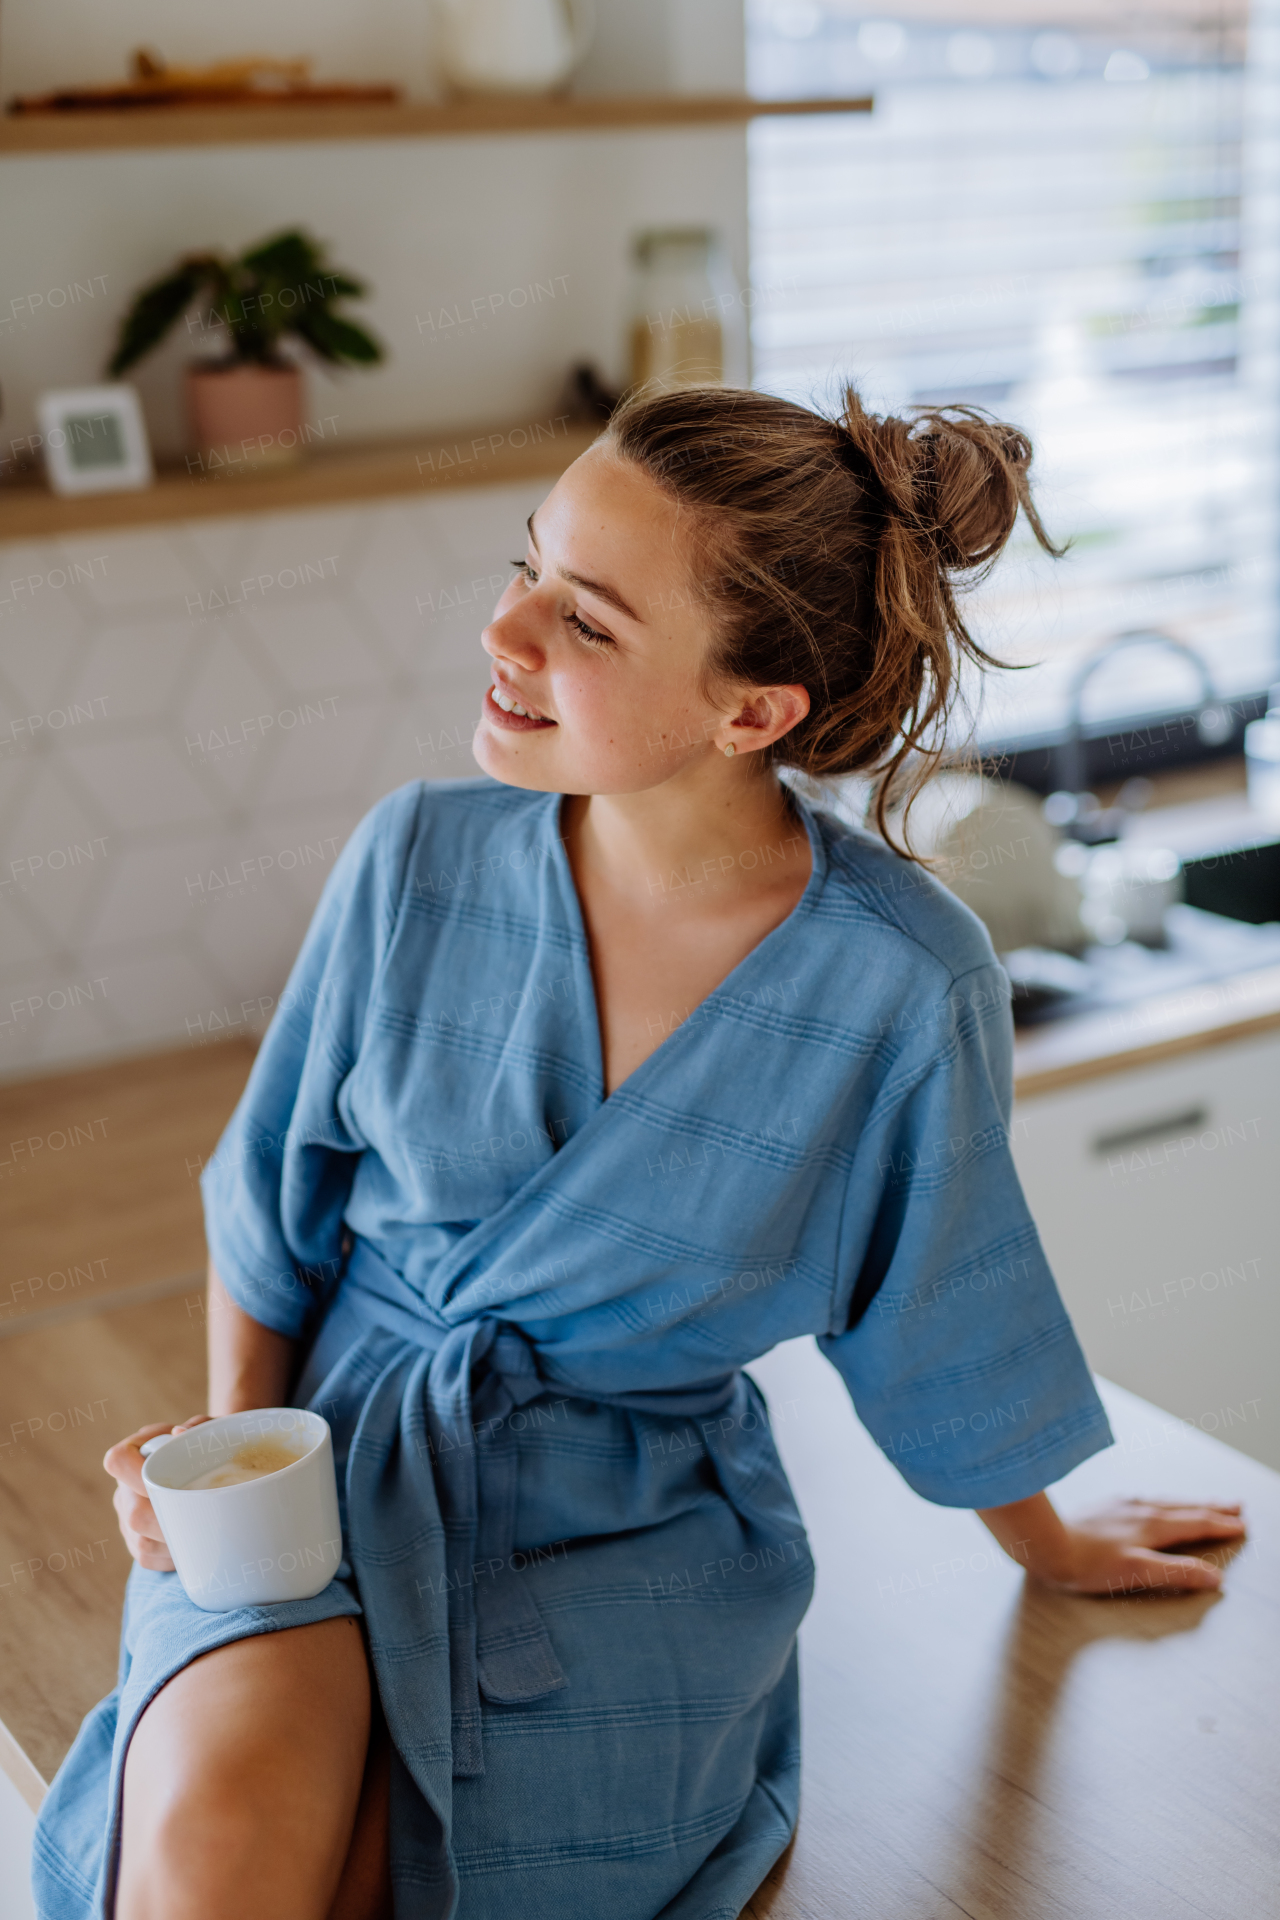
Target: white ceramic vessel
(274,1538)
(514,46)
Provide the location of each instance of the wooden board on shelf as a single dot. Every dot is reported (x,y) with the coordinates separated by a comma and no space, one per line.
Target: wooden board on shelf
(486,457)
(405,120)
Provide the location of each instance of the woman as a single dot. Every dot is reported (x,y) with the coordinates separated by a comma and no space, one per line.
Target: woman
(575,1105)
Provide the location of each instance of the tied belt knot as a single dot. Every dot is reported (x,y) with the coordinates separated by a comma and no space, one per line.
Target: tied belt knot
(455,1417)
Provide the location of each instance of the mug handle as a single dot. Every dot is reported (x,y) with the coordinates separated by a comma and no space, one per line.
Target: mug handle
(582,26)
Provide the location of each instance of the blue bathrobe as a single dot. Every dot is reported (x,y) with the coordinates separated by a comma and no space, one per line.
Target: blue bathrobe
(525,1310)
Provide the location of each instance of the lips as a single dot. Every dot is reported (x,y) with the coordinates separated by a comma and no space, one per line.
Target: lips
(504,710)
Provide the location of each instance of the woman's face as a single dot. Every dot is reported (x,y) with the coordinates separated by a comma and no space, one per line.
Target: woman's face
(601,638)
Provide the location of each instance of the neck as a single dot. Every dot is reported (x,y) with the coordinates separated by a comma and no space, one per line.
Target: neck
(726,830)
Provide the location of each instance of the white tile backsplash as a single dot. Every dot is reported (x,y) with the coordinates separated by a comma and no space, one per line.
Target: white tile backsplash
(42,634)
(130,671)
(139,781)
(349,688)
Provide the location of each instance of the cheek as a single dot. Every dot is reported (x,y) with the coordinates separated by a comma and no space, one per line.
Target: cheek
(606,712)
(629,731)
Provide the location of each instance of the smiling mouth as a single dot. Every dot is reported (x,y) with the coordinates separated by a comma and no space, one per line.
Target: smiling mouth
(512,713)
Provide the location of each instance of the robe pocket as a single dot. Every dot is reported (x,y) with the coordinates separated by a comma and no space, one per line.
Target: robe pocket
(515,1659)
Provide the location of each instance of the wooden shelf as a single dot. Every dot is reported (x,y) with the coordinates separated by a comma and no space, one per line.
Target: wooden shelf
(484,457)
(405,120)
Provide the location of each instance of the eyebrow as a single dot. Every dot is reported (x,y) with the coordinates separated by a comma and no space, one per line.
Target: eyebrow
(598,587)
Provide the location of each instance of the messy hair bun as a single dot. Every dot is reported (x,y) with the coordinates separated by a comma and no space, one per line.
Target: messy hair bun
(830,553)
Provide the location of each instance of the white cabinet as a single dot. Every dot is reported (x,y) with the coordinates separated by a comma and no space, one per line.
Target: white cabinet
(1157,1195)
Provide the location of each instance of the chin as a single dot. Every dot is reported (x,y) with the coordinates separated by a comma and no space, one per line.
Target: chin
(545,762)
(517,760)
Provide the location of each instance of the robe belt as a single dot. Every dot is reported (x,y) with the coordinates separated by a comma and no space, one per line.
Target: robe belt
(473,1375)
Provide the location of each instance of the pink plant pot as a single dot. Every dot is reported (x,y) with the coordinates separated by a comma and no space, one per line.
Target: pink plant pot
(244,416)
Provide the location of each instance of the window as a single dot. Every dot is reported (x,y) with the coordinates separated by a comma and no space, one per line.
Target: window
(1062,226)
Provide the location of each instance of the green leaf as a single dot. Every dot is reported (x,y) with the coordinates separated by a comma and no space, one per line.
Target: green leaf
(154,311)
(337,340)
(280,286)
(283,253)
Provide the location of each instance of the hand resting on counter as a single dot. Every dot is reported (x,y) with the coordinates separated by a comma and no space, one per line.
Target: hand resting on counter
(1122,1548)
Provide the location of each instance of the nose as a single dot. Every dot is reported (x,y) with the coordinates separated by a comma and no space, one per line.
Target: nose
(512,635)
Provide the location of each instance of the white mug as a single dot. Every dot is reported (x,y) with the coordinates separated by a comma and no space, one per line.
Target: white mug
(277,1537)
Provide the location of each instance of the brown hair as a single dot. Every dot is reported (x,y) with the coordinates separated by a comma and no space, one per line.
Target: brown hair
(833,551)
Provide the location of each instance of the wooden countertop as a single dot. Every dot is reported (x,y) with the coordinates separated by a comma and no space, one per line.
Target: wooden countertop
(977,1746)
(1087,1045)
(99,1179)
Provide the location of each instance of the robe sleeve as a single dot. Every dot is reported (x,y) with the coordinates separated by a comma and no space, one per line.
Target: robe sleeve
(277,1184)
(957,1349)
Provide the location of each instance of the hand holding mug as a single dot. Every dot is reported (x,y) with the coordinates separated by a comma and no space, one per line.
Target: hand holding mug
(134,1511)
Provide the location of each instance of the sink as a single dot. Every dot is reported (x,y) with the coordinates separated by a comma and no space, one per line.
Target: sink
(1202,945)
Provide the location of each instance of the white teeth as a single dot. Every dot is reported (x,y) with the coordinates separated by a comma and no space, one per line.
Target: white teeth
(509,705)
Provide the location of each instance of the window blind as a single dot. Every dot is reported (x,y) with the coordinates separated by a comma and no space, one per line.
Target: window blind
(1075,228)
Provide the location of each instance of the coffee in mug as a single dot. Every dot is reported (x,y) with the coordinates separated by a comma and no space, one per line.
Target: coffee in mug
(248,1462)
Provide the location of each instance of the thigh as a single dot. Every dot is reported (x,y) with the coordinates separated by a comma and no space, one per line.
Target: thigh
(243,1779)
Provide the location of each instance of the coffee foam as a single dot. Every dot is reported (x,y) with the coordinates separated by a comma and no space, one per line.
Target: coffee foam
(249,1462)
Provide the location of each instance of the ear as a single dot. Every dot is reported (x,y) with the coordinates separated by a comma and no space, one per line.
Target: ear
(764,717)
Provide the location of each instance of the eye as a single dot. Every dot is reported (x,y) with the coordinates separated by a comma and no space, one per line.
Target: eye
(529,573)
(592,634)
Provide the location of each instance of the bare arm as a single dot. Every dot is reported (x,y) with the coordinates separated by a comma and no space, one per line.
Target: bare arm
(1116,1550)
(249,1366)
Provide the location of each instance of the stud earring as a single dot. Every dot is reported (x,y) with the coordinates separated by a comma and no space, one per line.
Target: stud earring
(729,751)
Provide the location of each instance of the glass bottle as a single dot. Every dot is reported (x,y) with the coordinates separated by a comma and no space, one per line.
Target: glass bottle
(687,321)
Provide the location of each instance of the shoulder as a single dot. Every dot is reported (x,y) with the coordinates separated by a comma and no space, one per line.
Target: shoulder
(927,928)
(430,826)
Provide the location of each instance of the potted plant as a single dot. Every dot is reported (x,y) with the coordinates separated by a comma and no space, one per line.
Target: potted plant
(247,404)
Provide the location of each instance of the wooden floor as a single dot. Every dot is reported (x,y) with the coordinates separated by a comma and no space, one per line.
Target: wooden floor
(101,1329)
(973,1747)
(99,1173)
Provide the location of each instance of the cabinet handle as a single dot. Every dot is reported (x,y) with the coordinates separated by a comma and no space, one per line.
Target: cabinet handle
(1190,1120)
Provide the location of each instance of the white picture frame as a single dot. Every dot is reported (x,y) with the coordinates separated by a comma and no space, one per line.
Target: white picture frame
(94,440)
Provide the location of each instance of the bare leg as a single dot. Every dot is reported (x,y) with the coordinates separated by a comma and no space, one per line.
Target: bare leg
(364,1892)
(243,1782)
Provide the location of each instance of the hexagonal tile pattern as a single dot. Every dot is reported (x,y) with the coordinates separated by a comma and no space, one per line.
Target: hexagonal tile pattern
(60,859)
(131,672)
(348,638)
(141,783)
